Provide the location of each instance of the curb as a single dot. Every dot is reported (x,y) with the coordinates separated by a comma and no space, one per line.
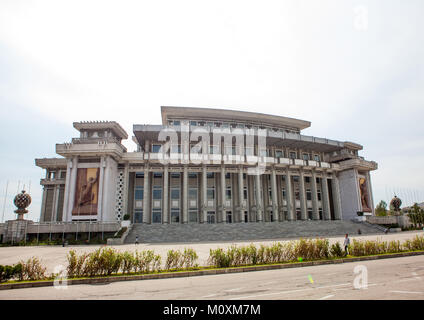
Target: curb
(205,272)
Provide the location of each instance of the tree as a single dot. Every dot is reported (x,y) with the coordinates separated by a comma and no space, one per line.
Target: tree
(381,209)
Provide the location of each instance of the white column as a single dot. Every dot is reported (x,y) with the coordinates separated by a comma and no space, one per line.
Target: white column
(146,195)
(185,195)
(370,195)
(165,213)
(315,213)
(72,186)
(289,196)
(259,211)
(43,205)
(223,200)
(275,213)
(336,197)
(67,190)
(204,194)
(55,203)
(126,188)
(101,186)
(325,197)
(303,213)
(241,194)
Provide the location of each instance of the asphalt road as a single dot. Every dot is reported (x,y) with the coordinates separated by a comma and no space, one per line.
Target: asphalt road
(397,278)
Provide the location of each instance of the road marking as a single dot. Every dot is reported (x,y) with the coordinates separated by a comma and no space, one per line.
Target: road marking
(416,276)
(211,295)
(334,285)
(411,292)
(326,297)
(289,291)
(236,289)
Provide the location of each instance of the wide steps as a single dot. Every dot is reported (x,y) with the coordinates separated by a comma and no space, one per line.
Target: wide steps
(166,233)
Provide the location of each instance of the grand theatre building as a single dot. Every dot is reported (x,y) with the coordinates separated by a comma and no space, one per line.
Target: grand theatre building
(205,166)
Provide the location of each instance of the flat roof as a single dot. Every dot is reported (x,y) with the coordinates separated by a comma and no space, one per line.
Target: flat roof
(231,115)
(97,125)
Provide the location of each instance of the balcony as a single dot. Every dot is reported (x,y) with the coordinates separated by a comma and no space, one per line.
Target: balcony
(50,182)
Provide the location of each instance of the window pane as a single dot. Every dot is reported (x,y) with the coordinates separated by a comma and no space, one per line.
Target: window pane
(175,194)
(157,194)
(156,148)
(138,193)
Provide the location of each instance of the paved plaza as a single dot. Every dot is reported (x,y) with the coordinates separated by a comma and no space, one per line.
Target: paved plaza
(52,256)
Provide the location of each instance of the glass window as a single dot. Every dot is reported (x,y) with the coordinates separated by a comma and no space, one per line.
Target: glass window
(225,125)
(175,194)
(308,194)
(139,175)
(227,175)
(157,174)
(192,193)
(319,195)
(307,179)
(156,148)
(138,215)
(209,124)
(157,216)
(157,193)
(278,153)
(175,174)
(193,123)
(177,122)
(192,215)
(192,175)
(305,156)
(316,157)
(217,124)
(175,215)
(245,193)
(210,175)
(138,193)
(292,155)
(296,178)
(228,194)
(211,193)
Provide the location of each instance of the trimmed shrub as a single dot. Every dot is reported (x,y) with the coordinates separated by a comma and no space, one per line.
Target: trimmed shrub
(10,272)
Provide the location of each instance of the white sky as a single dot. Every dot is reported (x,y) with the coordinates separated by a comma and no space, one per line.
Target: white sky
(352,68)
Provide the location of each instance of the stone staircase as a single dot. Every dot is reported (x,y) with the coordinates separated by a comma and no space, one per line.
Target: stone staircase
(175,233)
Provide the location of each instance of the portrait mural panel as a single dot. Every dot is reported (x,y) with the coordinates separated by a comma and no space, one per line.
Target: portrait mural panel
(364,195)
(86,193)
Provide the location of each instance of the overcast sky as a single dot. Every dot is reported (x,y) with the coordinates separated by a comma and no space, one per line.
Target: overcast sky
(352,68)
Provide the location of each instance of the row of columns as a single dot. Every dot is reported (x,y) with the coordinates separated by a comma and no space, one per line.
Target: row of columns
(290,202)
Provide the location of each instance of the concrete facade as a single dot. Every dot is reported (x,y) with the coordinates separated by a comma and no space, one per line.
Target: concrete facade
(207,166)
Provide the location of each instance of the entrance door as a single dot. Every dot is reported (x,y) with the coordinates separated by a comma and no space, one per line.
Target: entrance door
(211,216)
(229,217)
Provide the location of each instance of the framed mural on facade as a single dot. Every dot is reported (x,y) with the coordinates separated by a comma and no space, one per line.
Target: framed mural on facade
(86,192)
(364,195)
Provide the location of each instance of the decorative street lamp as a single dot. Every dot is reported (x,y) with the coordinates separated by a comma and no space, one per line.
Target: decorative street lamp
(22,201)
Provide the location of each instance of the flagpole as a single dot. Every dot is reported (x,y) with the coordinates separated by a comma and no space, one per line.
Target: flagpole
(4,202)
